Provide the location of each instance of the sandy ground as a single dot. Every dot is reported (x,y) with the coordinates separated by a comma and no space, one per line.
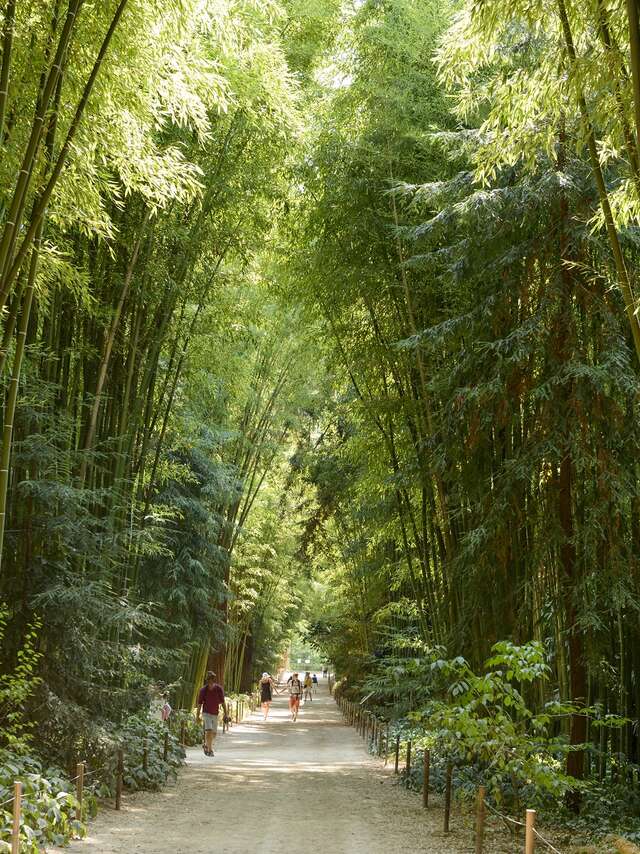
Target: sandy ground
(286,788)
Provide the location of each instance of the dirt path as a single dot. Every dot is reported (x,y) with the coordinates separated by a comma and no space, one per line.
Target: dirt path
(278,787)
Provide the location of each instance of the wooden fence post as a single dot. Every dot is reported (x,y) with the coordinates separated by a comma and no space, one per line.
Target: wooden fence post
(529,835)
(79,789)
(386,746)
(145,756)
(119,775)
(397,763)
(407,766)
(480,819)
(165,750)
(426,760)
(447,797)
(15,828)
(183,733)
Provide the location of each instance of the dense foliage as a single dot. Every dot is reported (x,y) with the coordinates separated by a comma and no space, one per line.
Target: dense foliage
(321,315)
(477,480)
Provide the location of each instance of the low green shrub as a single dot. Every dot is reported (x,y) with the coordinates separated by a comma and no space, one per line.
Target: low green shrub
(48,804)
(192,729)
(133,737)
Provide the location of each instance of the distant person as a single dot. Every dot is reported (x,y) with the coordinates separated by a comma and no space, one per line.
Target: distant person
(266,693)
(166,708)
(295,692)
(308,687)
(314,680)
(324,672)
(210,698)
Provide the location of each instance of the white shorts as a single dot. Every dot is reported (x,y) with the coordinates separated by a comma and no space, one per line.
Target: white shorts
(210,722)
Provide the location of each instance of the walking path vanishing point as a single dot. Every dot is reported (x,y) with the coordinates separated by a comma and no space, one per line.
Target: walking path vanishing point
(278,787)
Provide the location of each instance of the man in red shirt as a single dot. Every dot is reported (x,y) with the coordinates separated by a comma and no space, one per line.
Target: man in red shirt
(210,698)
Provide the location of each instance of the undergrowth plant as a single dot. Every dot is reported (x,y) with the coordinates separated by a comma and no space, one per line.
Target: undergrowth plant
(485,724)
(48,806)
(16,687)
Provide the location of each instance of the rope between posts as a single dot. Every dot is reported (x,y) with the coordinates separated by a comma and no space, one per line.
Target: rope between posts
(502,816)
(546,841)
(8,801)
(95,771)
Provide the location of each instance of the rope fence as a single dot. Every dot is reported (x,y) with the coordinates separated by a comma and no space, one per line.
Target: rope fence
(375,732)
(545,841)
(506,818)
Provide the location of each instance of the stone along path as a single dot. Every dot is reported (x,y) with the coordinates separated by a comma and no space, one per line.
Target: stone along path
(276,787)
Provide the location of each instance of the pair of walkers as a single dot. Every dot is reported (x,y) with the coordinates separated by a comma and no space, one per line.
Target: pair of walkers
(268,688)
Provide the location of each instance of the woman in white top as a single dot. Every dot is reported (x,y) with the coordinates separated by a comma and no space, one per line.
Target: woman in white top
(295,692)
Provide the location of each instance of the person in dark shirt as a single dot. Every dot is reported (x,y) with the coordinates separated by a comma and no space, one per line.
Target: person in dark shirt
(210,698)
(266,693)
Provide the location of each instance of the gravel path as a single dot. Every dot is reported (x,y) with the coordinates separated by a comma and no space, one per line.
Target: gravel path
(280,787)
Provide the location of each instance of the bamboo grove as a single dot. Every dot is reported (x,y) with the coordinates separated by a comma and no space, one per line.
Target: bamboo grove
(323,315)
(152,386)
(471,248)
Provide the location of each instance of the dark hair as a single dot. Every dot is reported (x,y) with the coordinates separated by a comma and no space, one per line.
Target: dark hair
(211,675)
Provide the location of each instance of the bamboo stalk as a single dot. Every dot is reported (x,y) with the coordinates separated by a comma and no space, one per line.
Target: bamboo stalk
(634,51)
(79,789)
(12,222)
(624,280)
(43,199)
(7,47)
(12,395)
(108,347)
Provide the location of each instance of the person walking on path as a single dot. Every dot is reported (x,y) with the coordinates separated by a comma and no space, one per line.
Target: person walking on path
(314,680)
(308,685)
(210,698)
(266,693)
(295,692)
